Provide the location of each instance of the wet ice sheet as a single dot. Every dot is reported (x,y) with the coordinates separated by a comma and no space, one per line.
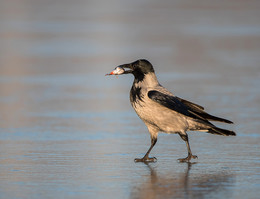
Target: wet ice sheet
(94,168)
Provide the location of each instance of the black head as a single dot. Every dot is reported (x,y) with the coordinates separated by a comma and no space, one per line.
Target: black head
(139,68)
(142,66)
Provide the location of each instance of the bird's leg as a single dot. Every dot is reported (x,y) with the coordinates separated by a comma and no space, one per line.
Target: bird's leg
(187,159)
(146,156)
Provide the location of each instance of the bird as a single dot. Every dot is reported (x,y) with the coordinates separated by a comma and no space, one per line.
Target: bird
(162,111)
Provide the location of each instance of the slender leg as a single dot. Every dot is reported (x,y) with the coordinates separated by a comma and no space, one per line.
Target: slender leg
(146,156)
(187,159)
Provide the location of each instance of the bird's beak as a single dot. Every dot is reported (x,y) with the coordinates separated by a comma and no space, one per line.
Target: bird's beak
(129,68)
(120,70)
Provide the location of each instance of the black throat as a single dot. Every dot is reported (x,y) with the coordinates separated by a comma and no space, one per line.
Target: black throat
(135,94)
(139,76)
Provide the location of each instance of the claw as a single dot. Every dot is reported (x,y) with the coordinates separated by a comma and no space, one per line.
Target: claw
(146,160)
(187,159)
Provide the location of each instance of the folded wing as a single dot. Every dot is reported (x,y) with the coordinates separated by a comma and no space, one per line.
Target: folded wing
(184,107)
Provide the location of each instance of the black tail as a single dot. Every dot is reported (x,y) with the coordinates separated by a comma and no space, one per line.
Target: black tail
(219,131)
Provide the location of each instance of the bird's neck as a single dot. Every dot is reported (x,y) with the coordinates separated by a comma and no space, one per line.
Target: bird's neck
(149,80)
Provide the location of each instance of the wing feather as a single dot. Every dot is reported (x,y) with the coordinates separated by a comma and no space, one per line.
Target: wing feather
(184,107)
(174,104)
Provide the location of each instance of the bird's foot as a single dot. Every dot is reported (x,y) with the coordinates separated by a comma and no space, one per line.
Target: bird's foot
(187,159)
(146,159)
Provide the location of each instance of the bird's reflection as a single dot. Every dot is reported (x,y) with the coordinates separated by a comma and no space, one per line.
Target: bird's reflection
(184,185)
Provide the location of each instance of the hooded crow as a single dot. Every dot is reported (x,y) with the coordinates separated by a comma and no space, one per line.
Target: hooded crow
(161,111)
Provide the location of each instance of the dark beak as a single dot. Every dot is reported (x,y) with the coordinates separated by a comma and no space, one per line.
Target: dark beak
(120,70)
(127,67)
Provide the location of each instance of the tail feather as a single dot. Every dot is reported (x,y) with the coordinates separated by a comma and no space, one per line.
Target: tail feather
(219,131)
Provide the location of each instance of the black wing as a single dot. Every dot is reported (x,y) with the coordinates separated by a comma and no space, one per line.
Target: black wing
(184,107)
(190,104)
(199,110)
(173,103)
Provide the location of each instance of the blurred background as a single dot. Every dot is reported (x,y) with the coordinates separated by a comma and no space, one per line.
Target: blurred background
(68,131)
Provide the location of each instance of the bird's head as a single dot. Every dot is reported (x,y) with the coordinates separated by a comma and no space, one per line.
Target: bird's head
(138,68)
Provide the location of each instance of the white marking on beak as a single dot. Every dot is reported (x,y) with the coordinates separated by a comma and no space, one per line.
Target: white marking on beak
(118,71)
